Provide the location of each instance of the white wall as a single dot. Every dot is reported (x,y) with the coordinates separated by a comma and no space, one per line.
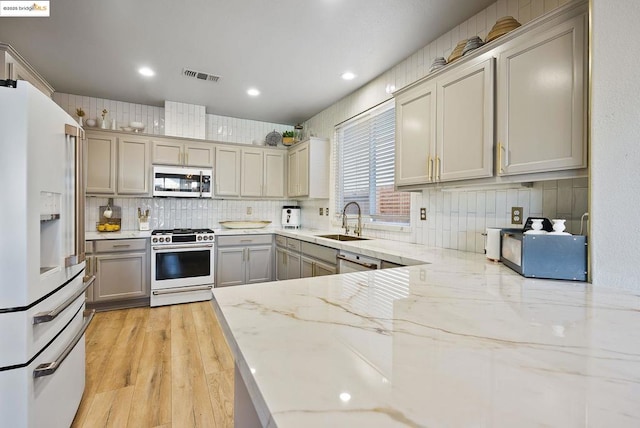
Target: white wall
(454,220)
(615,144)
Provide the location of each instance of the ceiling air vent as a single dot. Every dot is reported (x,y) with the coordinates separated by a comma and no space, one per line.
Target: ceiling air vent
(200,75)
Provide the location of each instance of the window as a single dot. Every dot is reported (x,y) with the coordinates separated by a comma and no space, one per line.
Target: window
(364,159)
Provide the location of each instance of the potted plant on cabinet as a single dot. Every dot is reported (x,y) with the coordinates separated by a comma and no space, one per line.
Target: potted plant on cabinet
(80,114)
(287,138)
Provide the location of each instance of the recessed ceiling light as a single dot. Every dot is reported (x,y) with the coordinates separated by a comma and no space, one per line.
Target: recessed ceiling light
(146,71)
(253,92)
(347,75)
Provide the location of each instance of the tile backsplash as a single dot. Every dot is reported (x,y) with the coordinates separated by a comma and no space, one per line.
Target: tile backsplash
(180,119)
(184,120)
(169,213)
(457,219)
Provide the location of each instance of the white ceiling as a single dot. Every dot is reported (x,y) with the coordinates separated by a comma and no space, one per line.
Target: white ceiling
(293,51)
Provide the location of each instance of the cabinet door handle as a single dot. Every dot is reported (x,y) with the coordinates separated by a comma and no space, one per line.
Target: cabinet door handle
(430,168)
(248,254)
(500,169)
(437,168)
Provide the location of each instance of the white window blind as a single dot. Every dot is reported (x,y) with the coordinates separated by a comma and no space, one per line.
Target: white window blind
(364,159)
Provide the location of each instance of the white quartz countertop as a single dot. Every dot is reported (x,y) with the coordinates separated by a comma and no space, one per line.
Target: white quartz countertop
(459,342)
(123,234)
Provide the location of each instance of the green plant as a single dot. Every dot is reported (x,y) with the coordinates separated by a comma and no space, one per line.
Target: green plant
(287,134)
(79,112)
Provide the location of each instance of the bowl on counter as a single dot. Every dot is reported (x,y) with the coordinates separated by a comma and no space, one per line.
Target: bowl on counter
(90,122)
(136,126)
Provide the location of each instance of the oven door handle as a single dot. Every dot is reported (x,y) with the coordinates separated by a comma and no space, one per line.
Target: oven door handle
(182,290)
(182,247)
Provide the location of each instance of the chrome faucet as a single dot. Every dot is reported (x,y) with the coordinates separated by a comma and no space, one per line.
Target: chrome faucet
(358,228)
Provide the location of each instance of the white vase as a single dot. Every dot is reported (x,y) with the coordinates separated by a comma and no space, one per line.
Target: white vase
(103,124)
(80,121)
(558,225)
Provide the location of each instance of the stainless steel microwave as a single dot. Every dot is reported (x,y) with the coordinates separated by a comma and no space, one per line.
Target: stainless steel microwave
(181,182)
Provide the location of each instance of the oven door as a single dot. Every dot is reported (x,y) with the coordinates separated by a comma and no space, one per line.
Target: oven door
(181,265)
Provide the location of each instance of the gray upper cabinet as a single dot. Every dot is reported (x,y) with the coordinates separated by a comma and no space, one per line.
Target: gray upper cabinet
(464,124)
(134,166)
(541,100)
(444,127)
(227,171)
(262,173)
(308,166)
(101,164)
(514,110)
(175,152)
(416,134)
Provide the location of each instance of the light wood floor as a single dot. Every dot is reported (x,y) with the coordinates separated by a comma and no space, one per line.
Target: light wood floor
(157,367)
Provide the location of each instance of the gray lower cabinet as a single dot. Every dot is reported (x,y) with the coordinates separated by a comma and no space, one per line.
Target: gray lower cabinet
(243,259)
(312,267)
(121,269)
(318,260)
(288,258)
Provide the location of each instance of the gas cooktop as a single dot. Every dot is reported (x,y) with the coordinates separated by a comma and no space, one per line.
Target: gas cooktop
(180,231)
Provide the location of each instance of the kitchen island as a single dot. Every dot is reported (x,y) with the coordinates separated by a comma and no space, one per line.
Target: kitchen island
(459,341)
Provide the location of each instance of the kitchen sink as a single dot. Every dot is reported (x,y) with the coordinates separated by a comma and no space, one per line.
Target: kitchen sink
(340,237)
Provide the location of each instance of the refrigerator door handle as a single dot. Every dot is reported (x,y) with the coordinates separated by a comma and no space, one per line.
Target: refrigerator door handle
(46,369)
(47,316)
(78,136)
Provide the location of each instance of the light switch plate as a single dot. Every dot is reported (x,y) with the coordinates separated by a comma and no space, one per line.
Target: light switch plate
(326,211)
(320,211)
(249,210)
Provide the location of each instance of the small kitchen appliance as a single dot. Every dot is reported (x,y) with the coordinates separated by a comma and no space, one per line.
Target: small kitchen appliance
(182,266)
(547,256)
(181,182)
(291,217)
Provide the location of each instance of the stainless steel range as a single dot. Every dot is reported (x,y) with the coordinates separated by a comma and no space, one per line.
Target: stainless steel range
(182,265)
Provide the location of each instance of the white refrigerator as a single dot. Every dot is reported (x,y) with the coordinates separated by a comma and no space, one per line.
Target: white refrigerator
(42,267)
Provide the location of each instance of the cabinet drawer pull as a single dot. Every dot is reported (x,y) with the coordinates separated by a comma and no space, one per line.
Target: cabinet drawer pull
(42,317)
(121,245)
(246,240)
(47,369)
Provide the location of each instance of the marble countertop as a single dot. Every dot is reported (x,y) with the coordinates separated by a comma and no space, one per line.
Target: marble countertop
(123,234)
(458,342)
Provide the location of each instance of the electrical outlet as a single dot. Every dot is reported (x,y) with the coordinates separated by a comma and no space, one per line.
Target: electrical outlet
(320,211)
(516,215)
(249,210)
(326,211)
(423,213)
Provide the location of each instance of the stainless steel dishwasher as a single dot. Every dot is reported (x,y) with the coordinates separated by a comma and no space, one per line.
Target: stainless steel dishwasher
(351,262)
